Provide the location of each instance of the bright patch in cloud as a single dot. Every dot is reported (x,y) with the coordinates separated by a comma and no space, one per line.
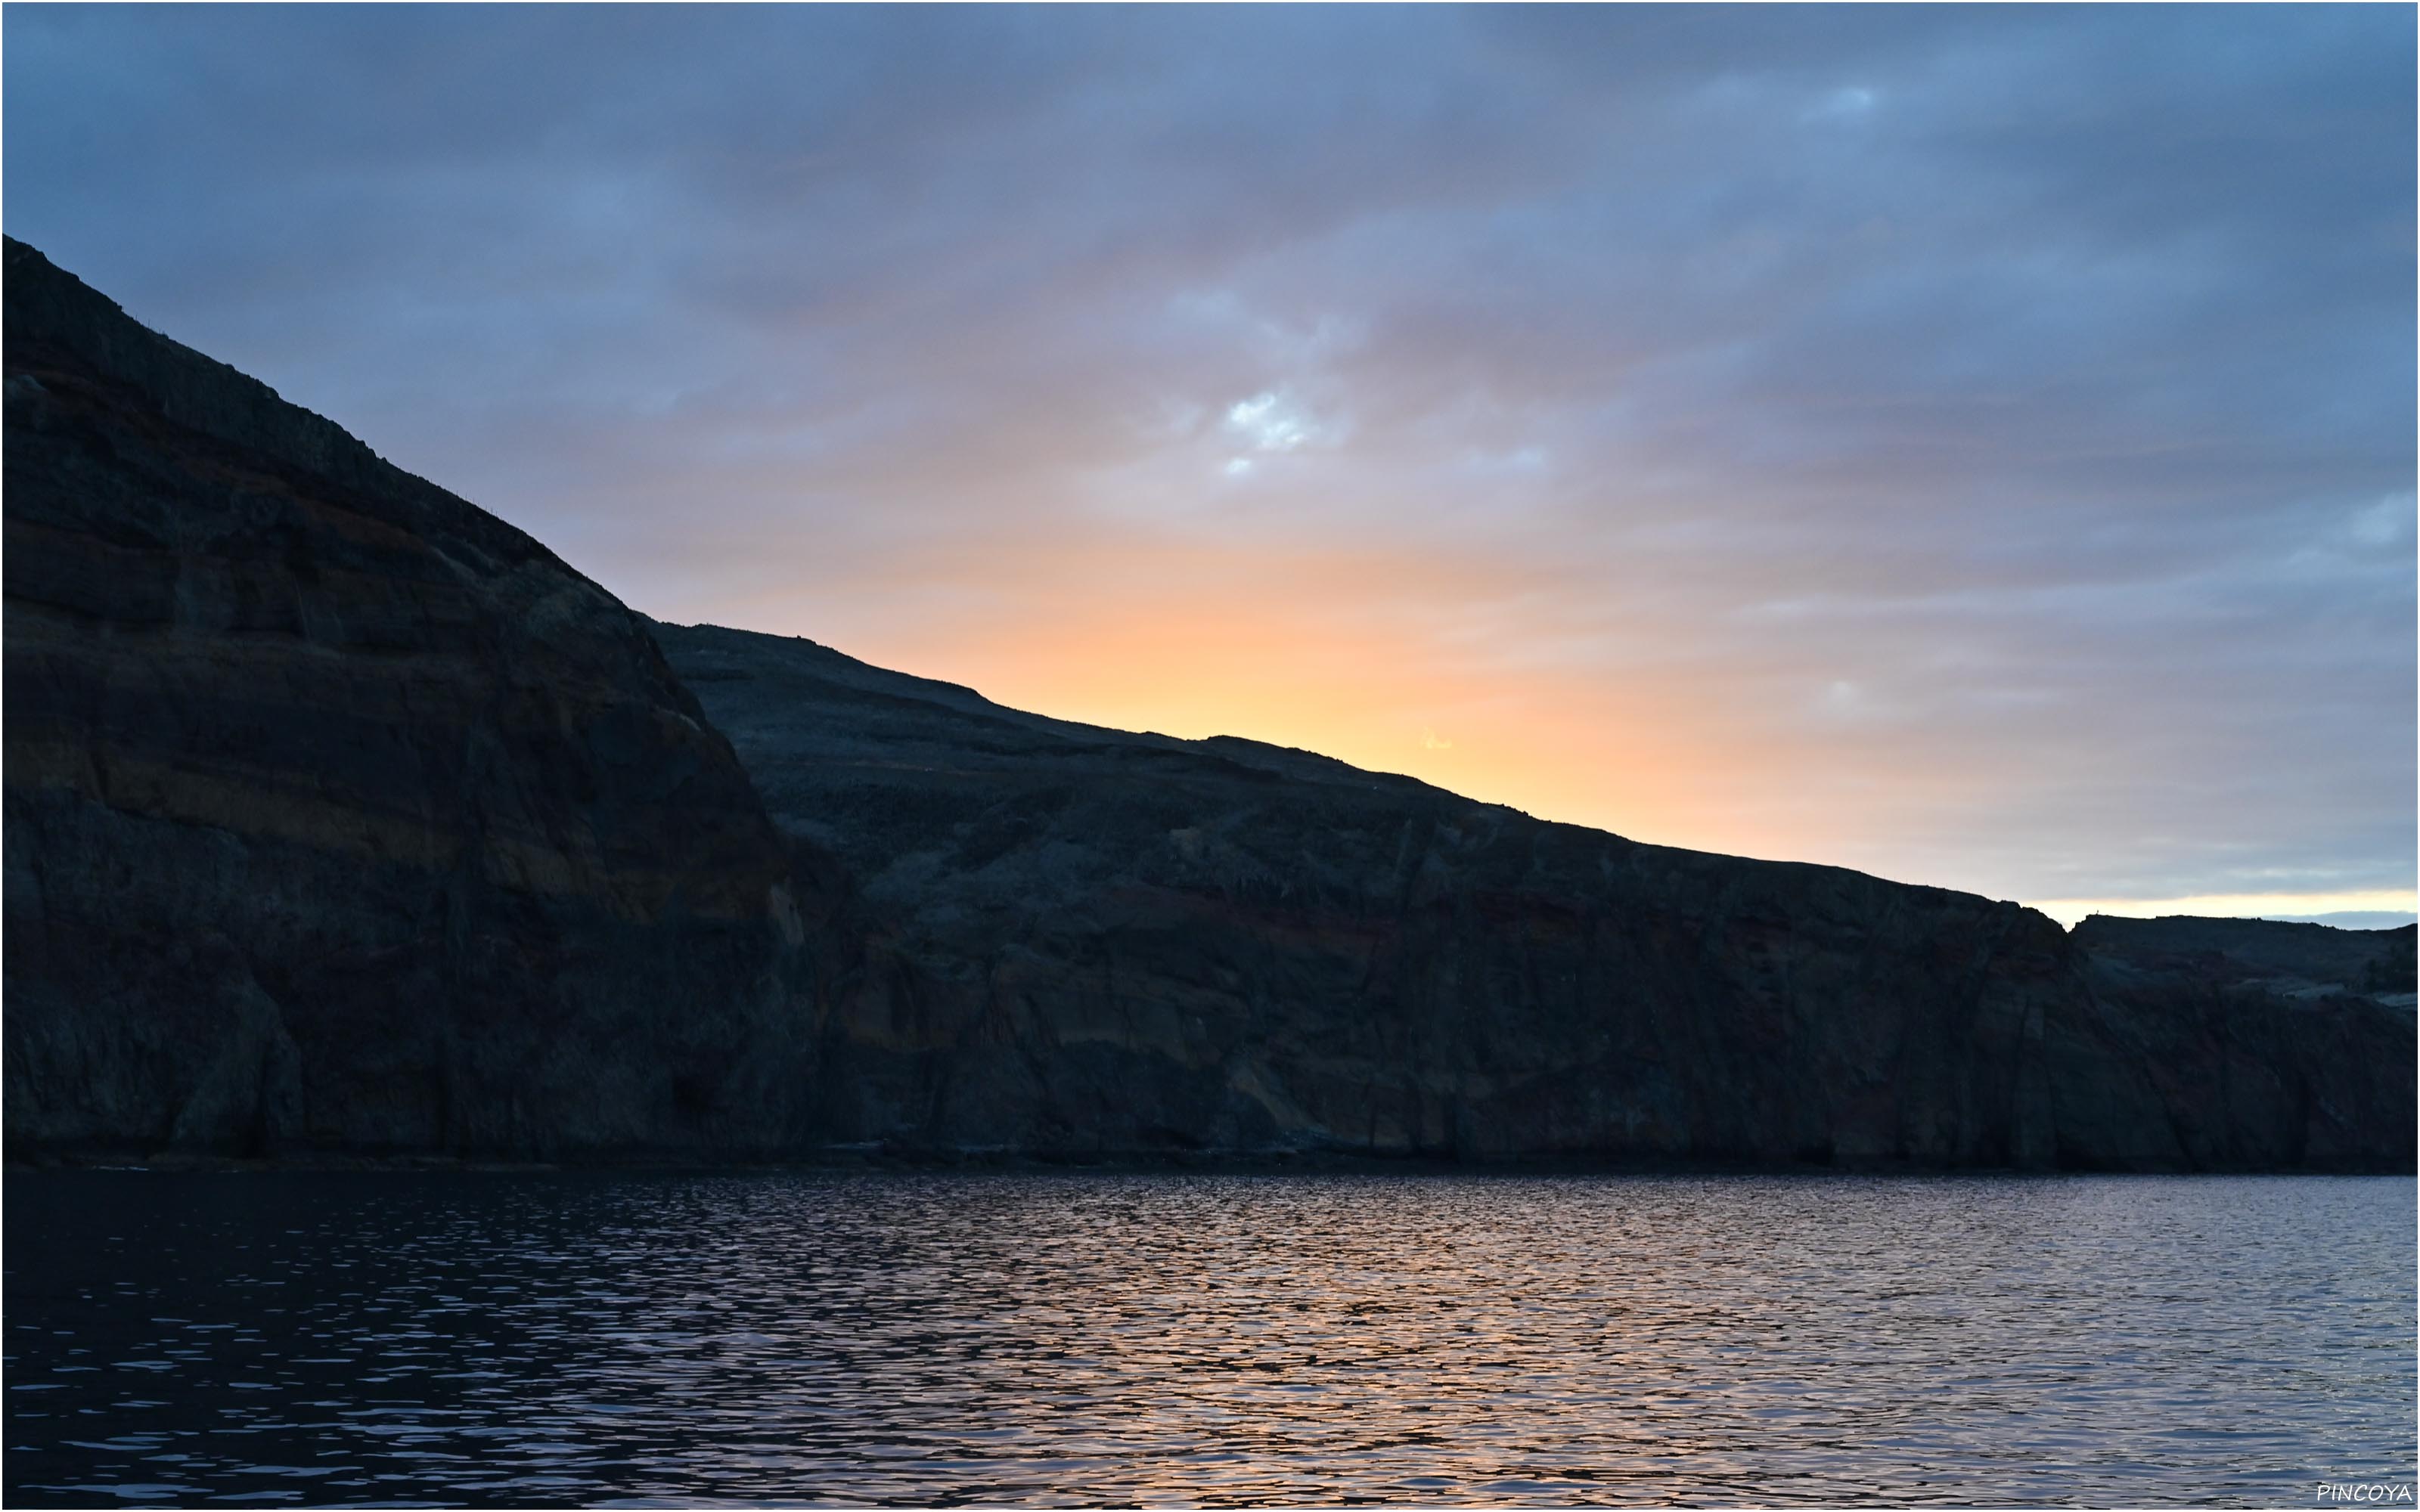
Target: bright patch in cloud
(1429,741)
(1270,423)
(1945,353)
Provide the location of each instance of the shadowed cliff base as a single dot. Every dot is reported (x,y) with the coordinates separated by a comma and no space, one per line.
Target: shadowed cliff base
(344,821)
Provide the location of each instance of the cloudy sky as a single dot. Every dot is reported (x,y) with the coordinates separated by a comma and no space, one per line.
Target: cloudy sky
(1973,445)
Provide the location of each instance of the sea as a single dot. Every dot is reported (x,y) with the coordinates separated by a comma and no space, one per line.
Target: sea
(1079,1338)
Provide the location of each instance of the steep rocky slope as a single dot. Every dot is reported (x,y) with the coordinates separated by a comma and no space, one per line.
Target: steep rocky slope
(341,815)
(1082,938)
(2295,1039)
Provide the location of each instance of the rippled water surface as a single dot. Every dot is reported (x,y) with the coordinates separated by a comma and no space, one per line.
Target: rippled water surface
(1203,1339)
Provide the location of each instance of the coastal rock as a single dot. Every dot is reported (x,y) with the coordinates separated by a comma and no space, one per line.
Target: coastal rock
(343,819)
(2272,1045)
(1079,940)
(340,815)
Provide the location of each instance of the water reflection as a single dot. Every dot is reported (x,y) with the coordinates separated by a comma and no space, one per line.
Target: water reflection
(1202,1339)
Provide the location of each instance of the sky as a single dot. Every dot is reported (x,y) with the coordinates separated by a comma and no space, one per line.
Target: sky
(1973,445)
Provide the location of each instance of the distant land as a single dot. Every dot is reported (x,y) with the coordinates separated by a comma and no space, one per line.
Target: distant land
(2355,919)
(345,822)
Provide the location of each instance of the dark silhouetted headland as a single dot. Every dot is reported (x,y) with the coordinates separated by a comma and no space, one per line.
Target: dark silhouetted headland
(345,819)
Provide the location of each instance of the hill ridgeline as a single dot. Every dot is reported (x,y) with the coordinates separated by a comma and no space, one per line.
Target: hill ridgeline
(344,819)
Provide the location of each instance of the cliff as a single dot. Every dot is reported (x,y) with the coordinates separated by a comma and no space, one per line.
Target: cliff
(2294,1041)
(339,814)
(1080,938)
(342,817)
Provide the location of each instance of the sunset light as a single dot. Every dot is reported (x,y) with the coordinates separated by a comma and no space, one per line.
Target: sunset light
(1817,456)
(1273,755)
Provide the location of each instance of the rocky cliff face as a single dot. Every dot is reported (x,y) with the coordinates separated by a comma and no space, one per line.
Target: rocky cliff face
(2279,1044)
(1077,939)
(341,815)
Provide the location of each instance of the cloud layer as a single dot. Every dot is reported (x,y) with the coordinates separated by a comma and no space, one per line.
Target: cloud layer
(1972,444)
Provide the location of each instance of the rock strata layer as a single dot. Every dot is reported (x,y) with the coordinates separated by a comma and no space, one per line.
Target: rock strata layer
(1083,939)
(342,818)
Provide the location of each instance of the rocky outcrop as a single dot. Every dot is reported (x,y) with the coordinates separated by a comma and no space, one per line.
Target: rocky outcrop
(343,818)
(2273,1045)
(1079,939)
(2299,961)
(340,815)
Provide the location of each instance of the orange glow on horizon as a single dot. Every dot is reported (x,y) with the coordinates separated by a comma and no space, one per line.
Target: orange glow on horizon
(1337,653)
(1618,686)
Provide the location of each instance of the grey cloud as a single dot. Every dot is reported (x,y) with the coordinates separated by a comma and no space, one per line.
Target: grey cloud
(2042,364)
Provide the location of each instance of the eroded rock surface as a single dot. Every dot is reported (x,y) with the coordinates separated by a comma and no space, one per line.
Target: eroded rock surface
(2278,1044)
(340,815)
(1080,938)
